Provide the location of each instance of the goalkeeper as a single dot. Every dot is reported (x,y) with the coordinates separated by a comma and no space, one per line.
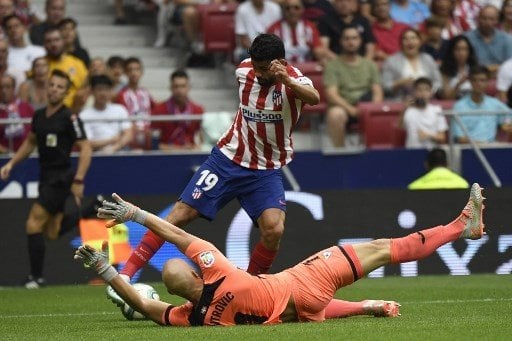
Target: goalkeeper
(226,295)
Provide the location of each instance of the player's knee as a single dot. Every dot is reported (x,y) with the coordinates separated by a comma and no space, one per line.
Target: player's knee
(181,214)
(272,232)
(337,116)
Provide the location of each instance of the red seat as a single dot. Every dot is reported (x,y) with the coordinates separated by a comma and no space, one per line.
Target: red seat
(314,71)
(218,26)
(379,123)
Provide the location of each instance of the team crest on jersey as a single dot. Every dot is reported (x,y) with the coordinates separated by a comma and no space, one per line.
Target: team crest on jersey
(327,254)
(277,97)
(196,193)
(207,258)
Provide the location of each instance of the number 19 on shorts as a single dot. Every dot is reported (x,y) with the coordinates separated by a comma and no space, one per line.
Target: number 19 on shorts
(208,180)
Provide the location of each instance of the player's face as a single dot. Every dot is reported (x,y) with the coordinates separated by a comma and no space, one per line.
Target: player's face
(263,74)
(57,89)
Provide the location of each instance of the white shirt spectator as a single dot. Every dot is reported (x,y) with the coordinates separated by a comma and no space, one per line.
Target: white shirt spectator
(21,58)
(430,120)
(105,130)
(250,22)
(504,76)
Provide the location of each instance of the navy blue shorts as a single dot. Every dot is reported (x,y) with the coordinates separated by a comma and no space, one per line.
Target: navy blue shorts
(219,180)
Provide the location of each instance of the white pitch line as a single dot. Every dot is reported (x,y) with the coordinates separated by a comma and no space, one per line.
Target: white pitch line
(112,312)
(59,315)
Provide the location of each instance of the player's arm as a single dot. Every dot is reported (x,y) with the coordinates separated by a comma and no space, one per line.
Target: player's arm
(84,160)
(121,211)
(98,261)
(304,92)
(22,153)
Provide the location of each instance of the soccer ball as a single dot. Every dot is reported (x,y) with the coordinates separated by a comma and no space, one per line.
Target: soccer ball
(144,290)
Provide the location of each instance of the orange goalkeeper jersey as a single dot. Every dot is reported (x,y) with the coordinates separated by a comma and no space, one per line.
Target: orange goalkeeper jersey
(230,296)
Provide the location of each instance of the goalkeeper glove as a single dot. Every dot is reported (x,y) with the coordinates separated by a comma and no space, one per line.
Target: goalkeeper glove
(121,211)
(97,260)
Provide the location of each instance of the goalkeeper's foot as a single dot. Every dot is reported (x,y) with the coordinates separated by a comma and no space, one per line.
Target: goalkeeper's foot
(472,214)
(379,308)
(34,283)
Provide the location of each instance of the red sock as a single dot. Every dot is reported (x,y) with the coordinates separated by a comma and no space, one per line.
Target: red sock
(420,244)
(147,247)
(261,260)
(339,308)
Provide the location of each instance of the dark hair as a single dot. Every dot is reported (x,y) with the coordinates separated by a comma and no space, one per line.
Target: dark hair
(436,158)
(434,22)
(180,73)
(479,70)
(407,30)
(423,80)
(449,66)
(61,74)
(115,60)
(50,29)
(131,60)
(101,80)
(266,47)
(9,17)
(66,21)
(349,27)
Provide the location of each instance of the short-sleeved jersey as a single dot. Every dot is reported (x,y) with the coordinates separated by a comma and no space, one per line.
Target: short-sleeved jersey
(56,136)
(76,71)
(13,135)
(260,136)
(137,102)
(230,296)
(299,41)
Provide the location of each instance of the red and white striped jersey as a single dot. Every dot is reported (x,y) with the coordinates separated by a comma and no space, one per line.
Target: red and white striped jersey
(260,136)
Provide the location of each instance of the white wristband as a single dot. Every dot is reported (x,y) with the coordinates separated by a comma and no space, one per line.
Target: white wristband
(140,216)
(109,274)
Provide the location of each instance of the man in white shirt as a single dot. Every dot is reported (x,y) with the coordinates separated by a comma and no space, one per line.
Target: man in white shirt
(106,136)
(21,54)
(253,17)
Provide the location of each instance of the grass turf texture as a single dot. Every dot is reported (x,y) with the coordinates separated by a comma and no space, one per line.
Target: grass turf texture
(433,307)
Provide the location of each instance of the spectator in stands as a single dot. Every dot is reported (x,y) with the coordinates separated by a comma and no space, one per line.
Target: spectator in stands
(106,136)
(331,25)
(349,79)
(138,102)
(115,70)
(72,66)
(315,9)
(401,69)
(466,11)
(492,45)
(300,37)
(505,19)
(481,128)
(12,135)
(253,17)
(434,44)
(6,9)
(178,134)
(459,59)
(21,54)
(504,82)
(385,30)
(55,13)
(28,12)
(33,90)
(5,68)
(442,13)
(423,121)
(68,30)
(165,9)
(410,12)
(438,175)
(97,67)
(119,13)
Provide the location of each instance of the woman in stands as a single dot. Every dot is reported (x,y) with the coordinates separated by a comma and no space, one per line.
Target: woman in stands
(33,90)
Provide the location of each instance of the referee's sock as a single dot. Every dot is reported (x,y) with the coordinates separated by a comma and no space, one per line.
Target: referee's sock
(261,260)
(36,252)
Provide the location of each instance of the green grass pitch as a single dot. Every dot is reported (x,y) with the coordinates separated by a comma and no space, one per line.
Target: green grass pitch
(476,307)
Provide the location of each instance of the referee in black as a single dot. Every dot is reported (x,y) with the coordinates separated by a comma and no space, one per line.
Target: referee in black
(55,130)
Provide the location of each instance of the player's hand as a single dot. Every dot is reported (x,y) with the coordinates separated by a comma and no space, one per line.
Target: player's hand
(278,67)
(97,260)
(5,171)
(120,211)
(78,192)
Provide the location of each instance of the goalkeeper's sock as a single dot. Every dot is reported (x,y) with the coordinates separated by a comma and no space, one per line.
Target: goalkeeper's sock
(147,247)
(339,308)
(261,260)
(36,251)
(421,244)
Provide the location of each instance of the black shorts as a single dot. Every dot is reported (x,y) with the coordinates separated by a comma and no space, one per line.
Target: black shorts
(54,188)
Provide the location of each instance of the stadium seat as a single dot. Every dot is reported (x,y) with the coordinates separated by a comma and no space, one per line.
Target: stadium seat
(218,26)
(314,71)
(379,124)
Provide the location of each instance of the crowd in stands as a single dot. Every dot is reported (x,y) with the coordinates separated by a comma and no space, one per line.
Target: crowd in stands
(427,56)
